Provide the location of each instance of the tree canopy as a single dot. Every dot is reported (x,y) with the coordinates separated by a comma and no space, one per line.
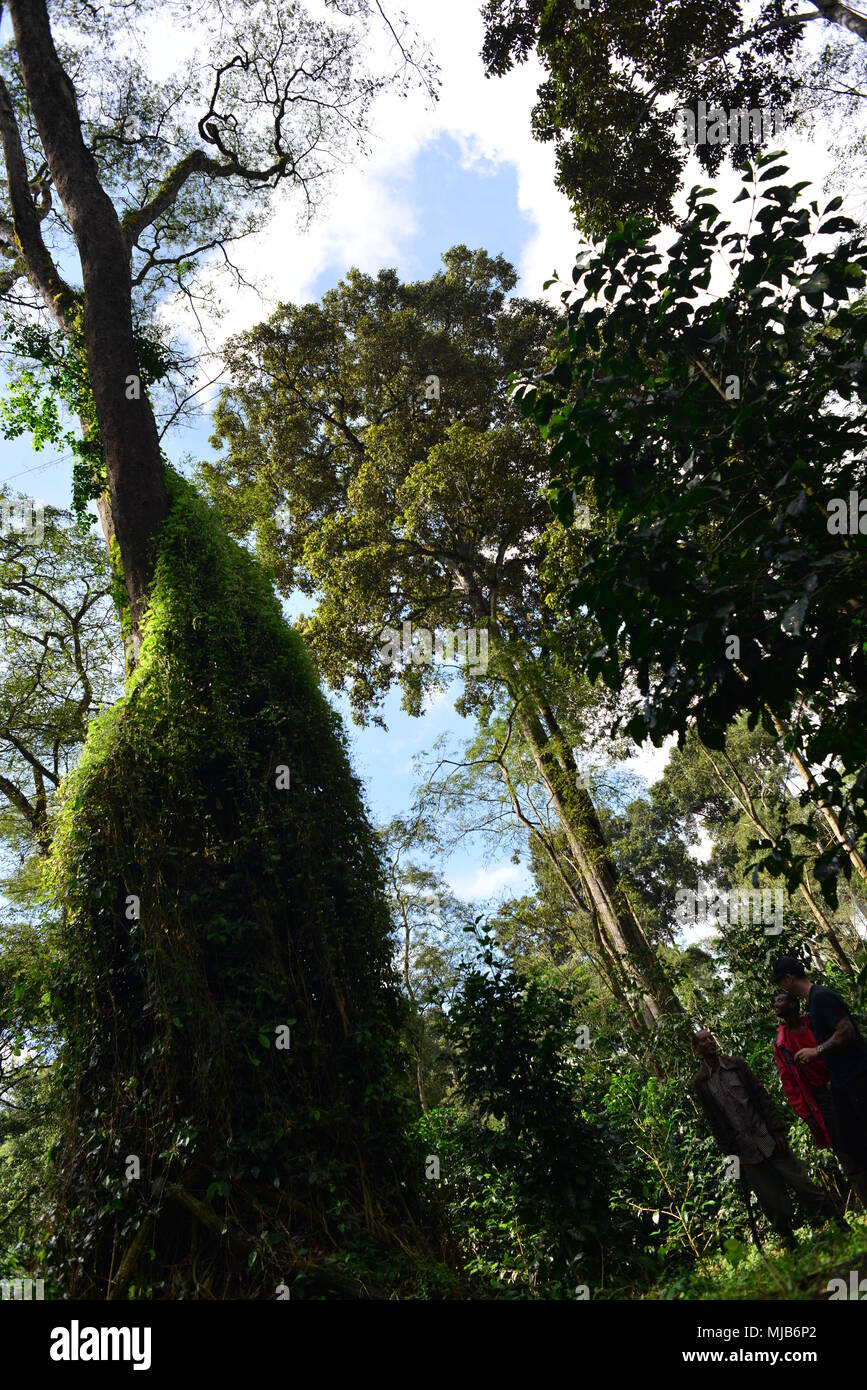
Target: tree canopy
(713,435)
(616,71)
(258,1038)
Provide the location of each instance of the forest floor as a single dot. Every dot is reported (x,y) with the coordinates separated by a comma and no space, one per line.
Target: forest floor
(744,1272)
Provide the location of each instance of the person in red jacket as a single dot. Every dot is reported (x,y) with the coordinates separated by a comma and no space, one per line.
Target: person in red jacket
(806,1084)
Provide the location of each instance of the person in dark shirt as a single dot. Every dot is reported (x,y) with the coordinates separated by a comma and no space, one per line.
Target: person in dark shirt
(747,1125)
(841,1047)
(807,1085)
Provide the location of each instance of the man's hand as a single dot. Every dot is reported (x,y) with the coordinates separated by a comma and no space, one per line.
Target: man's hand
(806,1054)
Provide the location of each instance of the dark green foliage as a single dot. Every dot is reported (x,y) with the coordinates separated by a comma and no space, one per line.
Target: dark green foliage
(617,70)
(526,1173)
(711,434)
(28,1097)
(259,907)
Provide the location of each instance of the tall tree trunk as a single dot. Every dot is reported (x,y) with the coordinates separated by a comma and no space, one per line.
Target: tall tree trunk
(601,951)
(635,937)
(616,920)
(134,472)
(837,13)
(586,839)
(419,1065)
(741,795)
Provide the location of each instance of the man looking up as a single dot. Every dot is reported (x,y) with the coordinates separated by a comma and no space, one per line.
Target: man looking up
(841,1047)
(745,1123)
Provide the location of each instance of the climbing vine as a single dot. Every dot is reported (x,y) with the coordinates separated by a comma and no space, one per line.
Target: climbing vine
(55,385)
(219,883)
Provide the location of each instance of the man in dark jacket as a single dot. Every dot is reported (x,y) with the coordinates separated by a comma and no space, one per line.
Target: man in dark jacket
(747,1125)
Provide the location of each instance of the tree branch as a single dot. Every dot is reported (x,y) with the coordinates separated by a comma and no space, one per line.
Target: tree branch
(836,13)
(26,232)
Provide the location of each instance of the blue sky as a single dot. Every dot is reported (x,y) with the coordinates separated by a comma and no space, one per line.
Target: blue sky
(466,170)
(452,203)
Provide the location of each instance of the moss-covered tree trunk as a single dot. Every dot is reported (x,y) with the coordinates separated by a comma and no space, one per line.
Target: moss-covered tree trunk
(236,1098)
(238,1101)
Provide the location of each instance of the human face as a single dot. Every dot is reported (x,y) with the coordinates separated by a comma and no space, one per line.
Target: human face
(706,1043)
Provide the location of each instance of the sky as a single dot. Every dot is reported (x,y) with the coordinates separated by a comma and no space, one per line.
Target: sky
(464,170)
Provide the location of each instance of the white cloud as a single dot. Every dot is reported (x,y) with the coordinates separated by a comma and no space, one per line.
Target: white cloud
(490,120)
(648,762)
(482,883)
(367,219)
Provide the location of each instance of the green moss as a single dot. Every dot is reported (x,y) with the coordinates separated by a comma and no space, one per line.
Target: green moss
(118,590)
(260,906)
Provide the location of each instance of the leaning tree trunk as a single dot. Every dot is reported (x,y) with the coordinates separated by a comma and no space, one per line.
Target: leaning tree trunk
(586,839)
(826,810)
(837,13)
(741,795)
(601,952)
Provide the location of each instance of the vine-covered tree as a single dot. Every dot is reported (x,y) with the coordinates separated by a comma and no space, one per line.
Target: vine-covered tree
(221,889)
(149,178)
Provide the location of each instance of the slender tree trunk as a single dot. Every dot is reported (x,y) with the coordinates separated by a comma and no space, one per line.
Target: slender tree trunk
(602,951)
(825,809)
(419,1068)
(616,919)
(827,928)
(634,934)
(586,840)
(612,968)
(742,796)
(134,471)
